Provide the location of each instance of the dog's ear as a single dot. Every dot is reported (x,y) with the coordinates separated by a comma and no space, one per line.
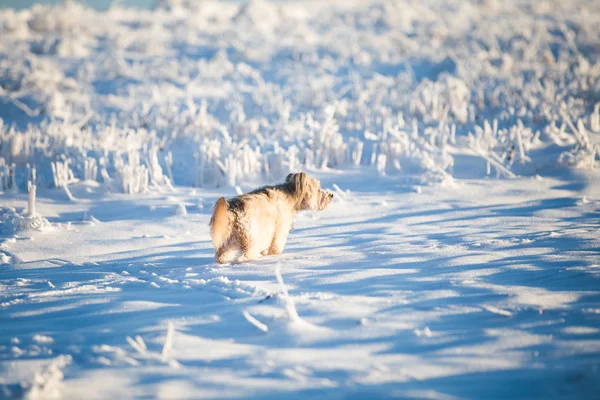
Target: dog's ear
(296,181)
(294,176)
(298,184)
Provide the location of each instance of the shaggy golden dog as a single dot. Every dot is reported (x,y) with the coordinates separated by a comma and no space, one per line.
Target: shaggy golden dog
(259,222)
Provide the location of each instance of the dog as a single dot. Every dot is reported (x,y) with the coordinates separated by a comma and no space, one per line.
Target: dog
(258,223)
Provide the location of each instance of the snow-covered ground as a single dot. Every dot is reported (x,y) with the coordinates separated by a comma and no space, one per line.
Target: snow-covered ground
(459,258)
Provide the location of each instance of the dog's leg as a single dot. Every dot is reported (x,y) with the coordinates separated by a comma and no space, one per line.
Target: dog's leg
(229,251)
(248,255)
(249,250)
(227,254)
(279,240)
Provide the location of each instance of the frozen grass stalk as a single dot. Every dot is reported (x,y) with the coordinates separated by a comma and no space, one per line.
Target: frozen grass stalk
(7,176)
(290,307)
(595,119)
(168,342)
(169,164)
(31,194)
(259,325)
(138,344)
(90,169)
(31,189)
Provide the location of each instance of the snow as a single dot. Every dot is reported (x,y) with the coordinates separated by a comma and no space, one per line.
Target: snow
(417,295)
(459,258)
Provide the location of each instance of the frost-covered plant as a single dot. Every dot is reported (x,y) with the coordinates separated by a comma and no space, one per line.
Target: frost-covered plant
(62,174)
(435,101)
(504,146)
(585,153)
(133,177)
(211,94)
(90,169)
(8,176)
(155,171)
(29,219)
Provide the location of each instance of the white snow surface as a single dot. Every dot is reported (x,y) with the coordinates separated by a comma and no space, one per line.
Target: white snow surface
(458,260)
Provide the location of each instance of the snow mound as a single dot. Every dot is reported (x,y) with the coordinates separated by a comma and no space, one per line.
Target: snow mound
(12,222)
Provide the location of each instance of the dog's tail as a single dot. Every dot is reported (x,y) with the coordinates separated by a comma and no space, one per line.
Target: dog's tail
(220,226)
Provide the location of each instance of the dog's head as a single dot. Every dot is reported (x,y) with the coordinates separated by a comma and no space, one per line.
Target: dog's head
(307,192)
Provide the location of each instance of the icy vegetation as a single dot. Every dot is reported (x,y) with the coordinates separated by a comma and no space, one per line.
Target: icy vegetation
(221,93)
(458,260)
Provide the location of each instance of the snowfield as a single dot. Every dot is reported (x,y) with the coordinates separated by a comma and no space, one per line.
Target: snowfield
(459,259)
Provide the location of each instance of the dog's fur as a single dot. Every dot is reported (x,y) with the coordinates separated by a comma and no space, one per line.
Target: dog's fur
(259,222)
